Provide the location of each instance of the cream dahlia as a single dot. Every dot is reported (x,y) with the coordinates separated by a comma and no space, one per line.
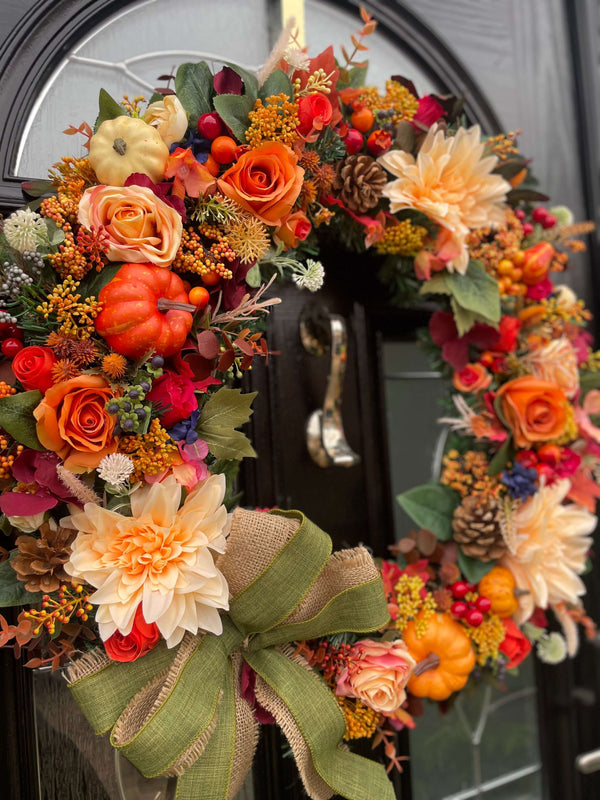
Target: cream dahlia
(548,549)
(556,362)
(160,557)
(451,183)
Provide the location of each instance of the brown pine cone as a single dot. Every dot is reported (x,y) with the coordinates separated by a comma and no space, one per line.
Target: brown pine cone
(359,182)
(40,561)
(477,527)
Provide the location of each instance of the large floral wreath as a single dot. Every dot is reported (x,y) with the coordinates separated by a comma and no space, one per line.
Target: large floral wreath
(134,291)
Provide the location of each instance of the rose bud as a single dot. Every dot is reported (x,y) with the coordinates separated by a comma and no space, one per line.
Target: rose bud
(314,112)
(536,262)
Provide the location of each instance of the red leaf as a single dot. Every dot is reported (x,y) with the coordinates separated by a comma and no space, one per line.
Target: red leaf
(244,347)
(226,360)
(208,344)
(34,662)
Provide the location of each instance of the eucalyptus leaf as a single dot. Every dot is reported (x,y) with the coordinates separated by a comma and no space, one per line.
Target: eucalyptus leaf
(16,417)
(277,83)
(233,110)
(476,291)
(472,568)
(431,506)
(223,412)
(194,89)
(502,457)
(253,277)
(109,109)
(12,590)
(94,281)
(436,285)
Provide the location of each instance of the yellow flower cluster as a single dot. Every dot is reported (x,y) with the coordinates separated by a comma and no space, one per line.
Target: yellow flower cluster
(503,145)
(133,107)
(361,721)
(468,474)
(491,246)
(404,239)
(151,452)
(571,428)
(194,256)
(319,81)
(397,98)
(74,317)
(412,599)
(487,638)
(275,120)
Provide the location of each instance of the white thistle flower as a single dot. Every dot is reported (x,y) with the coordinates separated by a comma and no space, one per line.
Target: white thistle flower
(115,469)
(24,229)
(552,648)
(309,276)
(296,58)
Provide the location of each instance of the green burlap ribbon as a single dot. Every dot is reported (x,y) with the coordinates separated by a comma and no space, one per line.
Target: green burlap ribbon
(182,712)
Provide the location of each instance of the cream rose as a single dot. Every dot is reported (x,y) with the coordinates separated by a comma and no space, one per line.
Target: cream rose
(139,226)
(169,118)
(376,674)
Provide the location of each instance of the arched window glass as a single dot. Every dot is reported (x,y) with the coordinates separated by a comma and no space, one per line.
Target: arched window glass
(129,51)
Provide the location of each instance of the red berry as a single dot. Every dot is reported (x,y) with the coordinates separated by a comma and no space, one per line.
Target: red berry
(379,142)
(210,125)
(459,589)
(545,471)
(520,214)
(527,228)
(550,454)
(528,458)
(353,141)
(459,608)
(10,347)
(483,604)
(471,587)
(474,618)
(549,221)
(539,214)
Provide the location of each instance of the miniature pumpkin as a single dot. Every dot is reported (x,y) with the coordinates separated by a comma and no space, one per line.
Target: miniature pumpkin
(125,145)
(132,320)
(499,587)
(446,639)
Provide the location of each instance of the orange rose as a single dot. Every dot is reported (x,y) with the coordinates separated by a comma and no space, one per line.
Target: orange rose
(138,225)
(72,421)
(265,181)
(535,410)
(473,378)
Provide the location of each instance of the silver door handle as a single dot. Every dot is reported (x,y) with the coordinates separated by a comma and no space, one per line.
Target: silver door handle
(588,762)
(325,437)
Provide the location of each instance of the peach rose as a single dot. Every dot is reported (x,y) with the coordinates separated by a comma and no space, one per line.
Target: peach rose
(473,378)
(72,422)
(376,674)
(138,225)
(535,410)
(293,229)
(265,181)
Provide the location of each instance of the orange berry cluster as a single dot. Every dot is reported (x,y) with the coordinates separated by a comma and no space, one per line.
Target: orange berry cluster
(74,602)
(208,262)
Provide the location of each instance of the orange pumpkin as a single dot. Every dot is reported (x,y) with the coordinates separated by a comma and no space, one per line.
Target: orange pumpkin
(499,587)
(132,320)
(446,639)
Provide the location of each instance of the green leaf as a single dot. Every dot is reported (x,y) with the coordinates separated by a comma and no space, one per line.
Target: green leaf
(39,188)
(5,525)
(357,76)
(432,507)
(502,457)
(250,81)
(476,291)
(472,568)
(233,110)
(529,195)
(277,83)
(16,417)
(464,318)
(223,412)
(436,285)
(109,109)
(253,277)
(589,380)
(157,97)
(94,281)
(12,590)
(194,88)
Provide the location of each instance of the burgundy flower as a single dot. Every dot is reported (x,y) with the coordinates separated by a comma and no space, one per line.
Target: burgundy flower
(429,111)
(226,81)
(161,190)
(455,348)
(39,468)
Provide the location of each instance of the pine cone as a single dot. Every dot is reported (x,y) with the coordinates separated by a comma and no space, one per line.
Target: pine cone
(358,182)
(40,562)
(477,528)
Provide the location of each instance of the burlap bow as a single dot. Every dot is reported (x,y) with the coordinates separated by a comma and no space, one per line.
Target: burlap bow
(183,714)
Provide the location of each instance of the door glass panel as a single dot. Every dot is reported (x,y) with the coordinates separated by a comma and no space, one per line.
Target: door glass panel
(487,744)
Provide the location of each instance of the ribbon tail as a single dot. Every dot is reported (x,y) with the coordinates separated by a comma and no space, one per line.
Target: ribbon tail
(102,688)
(314,725)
